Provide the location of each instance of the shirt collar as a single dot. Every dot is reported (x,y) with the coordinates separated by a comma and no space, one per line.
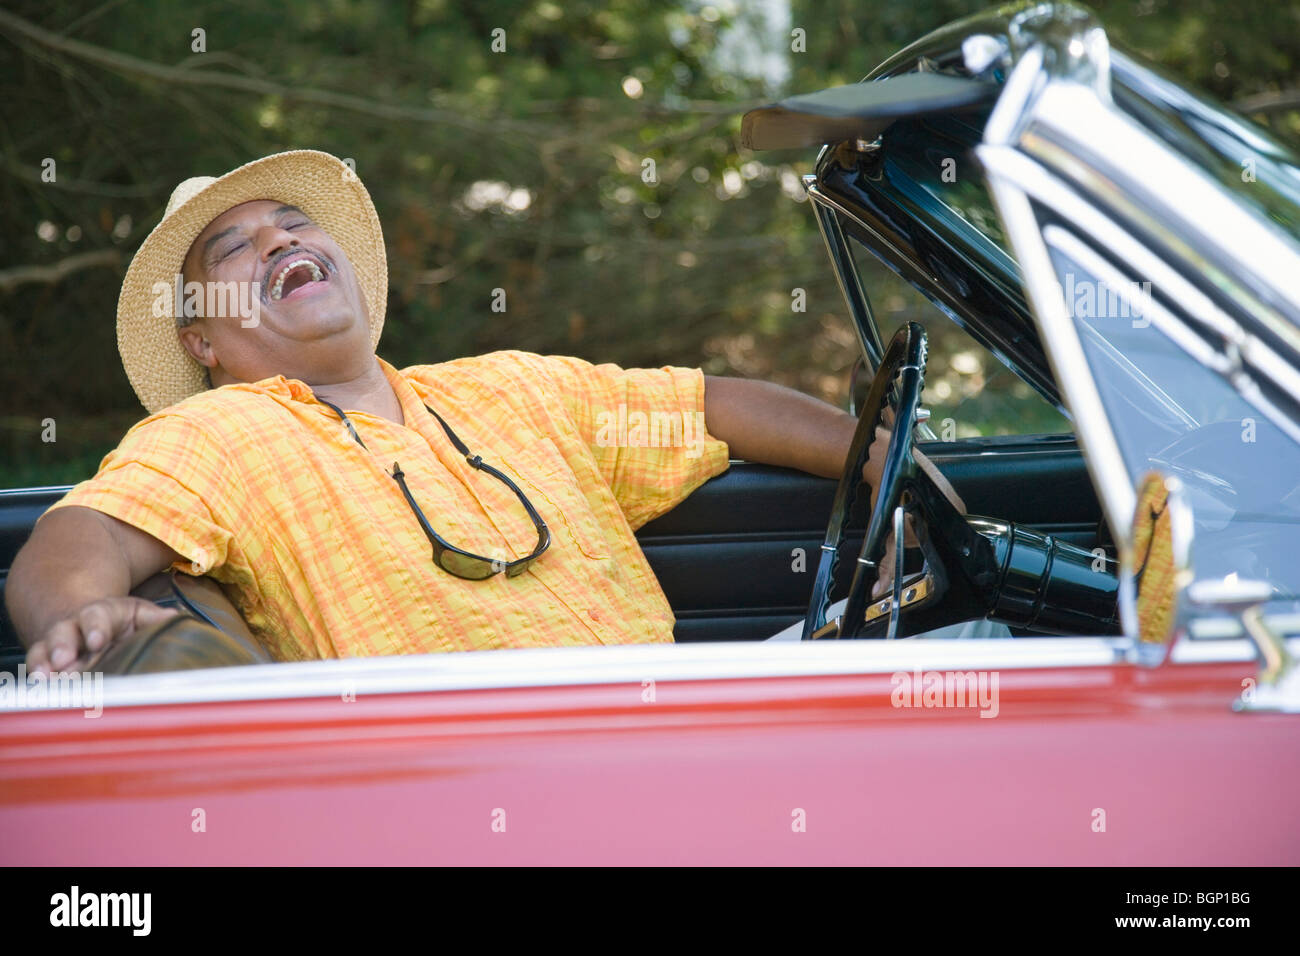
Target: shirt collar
(295,390)
(288,388)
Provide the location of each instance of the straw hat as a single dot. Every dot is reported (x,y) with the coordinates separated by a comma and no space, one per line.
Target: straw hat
(323,186)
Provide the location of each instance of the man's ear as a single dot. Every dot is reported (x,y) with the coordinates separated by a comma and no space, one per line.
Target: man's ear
(196,343)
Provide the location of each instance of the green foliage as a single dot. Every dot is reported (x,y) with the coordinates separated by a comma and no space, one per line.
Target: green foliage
(520,170)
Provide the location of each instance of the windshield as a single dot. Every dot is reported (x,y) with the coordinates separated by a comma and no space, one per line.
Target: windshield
(1169,412)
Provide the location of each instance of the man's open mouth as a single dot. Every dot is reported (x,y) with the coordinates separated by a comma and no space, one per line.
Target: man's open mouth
(294,274)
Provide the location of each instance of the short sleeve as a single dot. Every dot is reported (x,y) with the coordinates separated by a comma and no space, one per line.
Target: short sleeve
(168,478)
(645,427)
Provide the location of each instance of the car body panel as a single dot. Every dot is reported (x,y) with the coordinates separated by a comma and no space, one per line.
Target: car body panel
(711,771)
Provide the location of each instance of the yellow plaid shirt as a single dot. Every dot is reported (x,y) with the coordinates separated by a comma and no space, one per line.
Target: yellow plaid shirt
(261,487)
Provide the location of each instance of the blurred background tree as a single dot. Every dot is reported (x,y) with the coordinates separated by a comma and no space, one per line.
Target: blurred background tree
(524,169)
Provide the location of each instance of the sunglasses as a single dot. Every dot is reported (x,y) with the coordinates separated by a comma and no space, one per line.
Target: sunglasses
(454,560)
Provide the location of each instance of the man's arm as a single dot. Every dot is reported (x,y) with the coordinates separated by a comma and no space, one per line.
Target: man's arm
(775,425)
(67,592)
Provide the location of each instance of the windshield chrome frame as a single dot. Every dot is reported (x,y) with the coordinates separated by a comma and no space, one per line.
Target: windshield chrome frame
(1038,148)
(846,274)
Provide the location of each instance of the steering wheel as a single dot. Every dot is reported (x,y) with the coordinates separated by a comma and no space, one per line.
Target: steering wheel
(948,541)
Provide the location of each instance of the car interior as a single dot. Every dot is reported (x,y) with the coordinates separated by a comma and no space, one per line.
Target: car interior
(726,557)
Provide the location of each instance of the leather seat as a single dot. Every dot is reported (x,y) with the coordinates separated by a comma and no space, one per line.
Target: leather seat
(209,631)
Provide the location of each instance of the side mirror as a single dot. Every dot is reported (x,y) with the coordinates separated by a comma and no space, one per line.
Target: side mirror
(1155,567)
(1244,599)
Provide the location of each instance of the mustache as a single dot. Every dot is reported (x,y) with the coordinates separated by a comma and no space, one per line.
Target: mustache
(329,267)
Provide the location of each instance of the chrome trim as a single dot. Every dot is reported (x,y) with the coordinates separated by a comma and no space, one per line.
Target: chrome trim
(1223,651)
(830,202)
(1011,112)
(837,247)
(582,666)
(63,489)
(1080,48)
(896,592)
(1246,598)
(1154,186)
(917,591)
(1194,304)
(1259,697)
(981,52)
(1227,651)
(1201,629)
(826,211)
(631,664)
(1055,129)
(1061,342)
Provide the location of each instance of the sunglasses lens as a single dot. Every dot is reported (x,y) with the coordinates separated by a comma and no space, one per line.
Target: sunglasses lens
(465,566)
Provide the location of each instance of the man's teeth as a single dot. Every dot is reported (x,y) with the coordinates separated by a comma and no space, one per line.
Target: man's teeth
(316,275)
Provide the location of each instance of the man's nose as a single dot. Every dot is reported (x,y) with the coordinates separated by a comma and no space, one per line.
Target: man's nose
(272,240)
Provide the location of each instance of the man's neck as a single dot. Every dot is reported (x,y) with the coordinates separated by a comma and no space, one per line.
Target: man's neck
(369,392)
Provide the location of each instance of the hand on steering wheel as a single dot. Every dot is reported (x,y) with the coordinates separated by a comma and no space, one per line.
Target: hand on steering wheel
(907,486)
(879,448)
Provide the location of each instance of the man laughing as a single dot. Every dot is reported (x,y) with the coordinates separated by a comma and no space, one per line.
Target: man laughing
(351,508)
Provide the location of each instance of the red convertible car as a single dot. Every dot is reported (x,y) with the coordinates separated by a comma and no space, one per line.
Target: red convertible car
(1125,248)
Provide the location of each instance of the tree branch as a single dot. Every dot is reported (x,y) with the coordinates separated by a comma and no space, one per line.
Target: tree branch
(122,63)
(201,76)
(1273,102)
(20,275)
(113,190)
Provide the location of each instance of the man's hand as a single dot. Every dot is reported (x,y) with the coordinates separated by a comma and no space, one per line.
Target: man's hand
(68,643)
(67,591)
(871,474)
